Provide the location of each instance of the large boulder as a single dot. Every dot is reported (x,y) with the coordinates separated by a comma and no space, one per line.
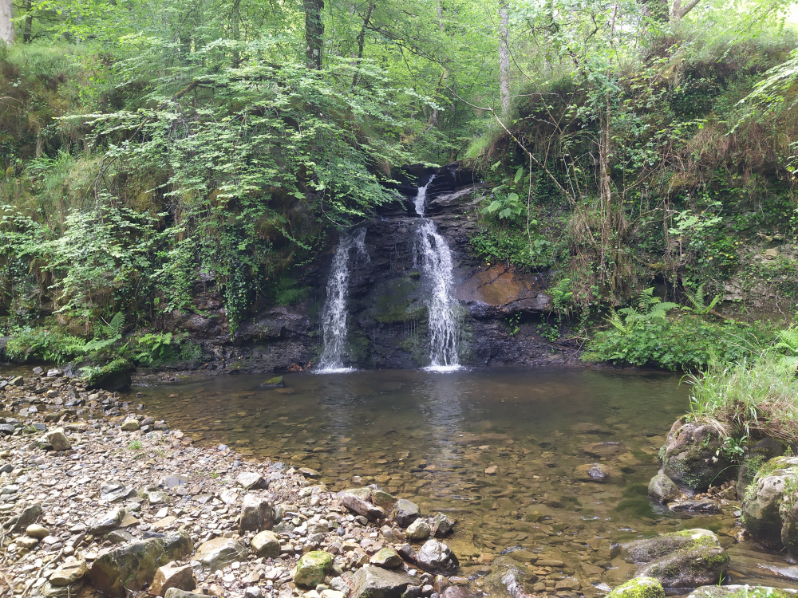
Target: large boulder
(693,457)
(639,587)
(133,566)
(376,582)
(312,567)
(685,559)
(770,506)
(218,553)
(436,557)
(755,456)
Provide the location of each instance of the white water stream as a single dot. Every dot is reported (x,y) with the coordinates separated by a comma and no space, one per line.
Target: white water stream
(437,270)
(334,315)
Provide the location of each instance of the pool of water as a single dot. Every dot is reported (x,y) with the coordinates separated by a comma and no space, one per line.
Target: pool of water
(497,449)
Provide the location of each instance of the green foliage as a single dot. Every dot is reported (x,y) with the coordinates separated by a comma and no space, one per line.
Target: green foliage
(41,344)
(686,343)
(788,345)
(94,373)
(755,395)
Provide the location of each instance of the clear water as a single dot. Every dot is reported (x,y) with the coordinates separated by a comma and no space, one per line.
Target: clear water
(334,316)
(434,439)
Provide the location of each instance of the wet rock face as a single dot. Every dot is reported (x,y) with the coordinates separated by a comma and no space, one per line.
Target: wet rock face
(388,318)
(769,509)
(685,559)
(693,457)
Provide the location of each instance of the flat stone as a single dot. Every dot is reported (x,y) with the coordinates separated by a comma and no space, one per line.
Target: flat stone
(68,573)
(107,521)
(251,481)
(387,558)
(376,582)
(218,553)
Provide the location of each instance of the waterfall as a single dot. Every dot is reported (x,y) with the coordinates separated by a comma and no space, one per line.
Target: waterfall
(421,197)
(437,270)
(334,315)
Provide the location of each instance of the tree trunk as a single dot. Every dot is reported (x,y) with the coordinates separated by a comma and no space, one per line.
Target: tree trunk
(676,12)
(433,119)
(236,31)
(6,24)
(361,40)
(504,57)
(314,33)
(27,31)
(656,10)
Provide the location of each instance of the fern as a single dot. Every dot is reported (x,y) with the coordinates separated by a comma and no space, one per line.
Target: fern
(698,301)
(112,332)
(648,308)
(788,343)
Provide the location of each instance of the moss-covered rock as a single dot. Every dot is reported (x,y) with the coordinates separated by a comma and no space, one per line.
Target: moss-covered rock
(693,457)
(737,591)
(639,587)
(685,559)
(312,567)
(112,377)
(770,505)
(276,382)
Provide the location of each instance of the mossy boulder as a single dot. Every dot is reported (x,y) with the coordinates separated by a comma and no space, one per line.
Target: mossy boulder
(685,559)
(276,382)
(755,456)
(312,567)
(693,457)
(662,489)
(113,377)
(639,587)
(770,505)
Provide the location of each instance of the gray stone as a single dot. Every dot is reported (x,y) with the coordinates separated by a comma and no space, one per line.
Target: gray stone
(174,481)
(257,514)
(7,429)
(386,557)
(218,553)
(435,556)
(28,515)
(376,582)
(355,503)
(58,440)
(133,566)
(662,489)
(592,472)
(107,521)
(694,506)
(178,593)
(266,544)
(764,513)
(441,525)
(405,512)
(685,559)
(419,530)
(758,591)
(251,481)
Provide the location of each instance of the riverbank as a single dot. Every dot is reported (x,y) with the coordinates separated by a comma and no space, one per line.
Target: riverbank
(90,482)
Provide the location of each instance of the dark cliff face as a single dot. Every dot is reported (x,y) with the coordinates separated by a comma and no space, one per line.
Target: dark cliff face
(388,318)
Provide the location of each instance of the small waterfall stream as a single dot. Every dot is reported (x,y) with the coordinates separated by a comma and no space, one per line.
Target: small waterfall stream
(437,270)
(334,315)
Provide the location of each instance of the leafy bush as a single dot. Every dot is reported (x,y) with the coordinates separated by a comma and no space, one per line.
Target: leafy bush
(755,396)
(30,344)
(685,343)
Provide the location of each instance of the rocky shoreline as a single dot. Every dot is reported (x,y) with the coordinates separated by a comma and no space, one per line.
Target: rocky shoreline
(98,497)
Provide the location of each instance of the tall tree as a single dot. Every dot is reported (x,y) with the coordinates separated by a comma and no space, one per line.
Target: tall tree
(6,22)
(314,33)
(504,56)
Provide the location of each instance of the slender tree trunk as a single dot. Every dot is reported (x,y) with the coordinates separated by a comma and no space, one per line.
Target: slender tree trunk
(27,31)
(433,119)
(314,33)
(236,30)
(6,24)
(676,12)
(361,40)
(504,57)
(548,36)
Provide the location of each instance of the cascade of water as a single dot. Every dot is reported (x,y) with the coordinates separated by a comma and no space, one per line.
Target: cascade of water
(438,273)
(334,315)
(421,198)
